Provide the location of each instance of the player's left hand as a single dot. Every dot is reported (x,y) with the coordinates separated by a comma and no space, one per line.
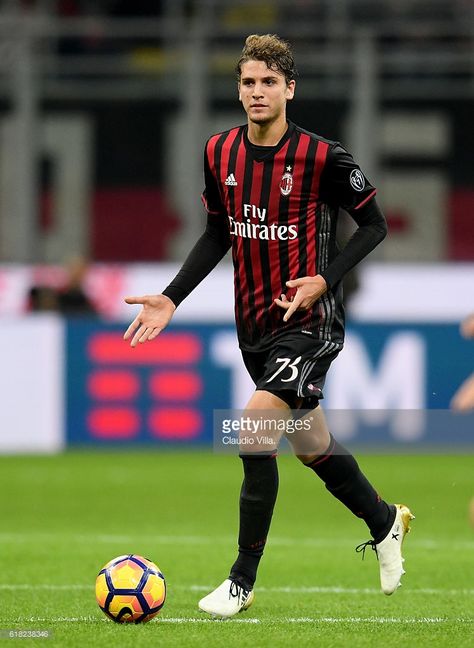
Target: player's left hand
(308,290)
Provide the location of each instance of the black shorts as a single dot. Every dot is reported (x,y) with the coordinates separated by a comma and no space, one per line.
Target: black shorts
(293,369)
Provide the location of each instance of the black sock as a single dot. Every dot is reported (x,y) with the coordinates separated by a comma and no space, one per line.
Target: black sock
(343,478)
(257,499)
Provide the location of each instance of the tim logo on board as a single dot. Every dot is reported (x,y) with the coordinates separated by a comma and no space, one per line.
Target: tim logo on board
(391,390)
(385,390)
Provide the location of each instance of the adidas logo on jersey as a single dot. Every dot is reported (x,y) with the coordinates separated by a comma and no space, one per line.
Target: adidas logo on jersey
(231,181)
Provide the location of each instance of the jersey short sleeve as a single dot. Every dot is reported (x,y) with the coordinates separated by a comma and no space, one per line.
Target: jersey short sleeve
(342,182)
(211,196)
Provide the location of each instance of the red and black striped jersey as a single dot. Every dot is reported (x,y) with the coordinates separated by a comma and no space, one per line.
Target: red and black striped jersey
(280,205)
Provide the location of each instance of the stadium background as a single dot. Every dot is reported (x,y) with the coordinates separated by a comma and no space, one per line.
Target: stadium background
(104,111)
(105,108)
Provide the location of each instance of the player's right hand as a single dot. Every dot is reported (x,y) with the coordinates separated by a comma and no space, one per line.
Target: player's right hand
(155,315)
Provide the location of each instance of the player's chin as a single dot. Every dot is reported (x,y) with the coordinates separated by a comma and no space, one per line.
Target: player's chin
(260,119)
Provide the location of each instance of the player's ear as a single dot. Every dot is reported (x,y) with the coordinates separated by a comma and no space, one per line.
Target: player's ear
(238,89)
(290,90)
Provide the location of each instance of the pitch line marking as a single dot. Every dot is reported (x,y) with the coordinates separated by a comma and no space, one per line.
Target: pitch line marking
(283,620)
(281,590)
(340,590)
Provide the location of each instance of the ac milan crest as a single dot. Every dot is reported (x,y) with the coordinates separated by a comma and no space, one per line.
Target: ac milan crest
(286,182)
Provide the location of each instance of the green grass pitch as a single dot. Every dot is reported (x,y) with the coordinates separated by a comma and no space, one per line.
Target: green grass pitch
(63,517)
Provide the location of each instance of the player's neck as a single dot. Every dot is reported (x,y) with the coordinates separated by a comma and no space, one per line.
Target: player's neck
(267,134)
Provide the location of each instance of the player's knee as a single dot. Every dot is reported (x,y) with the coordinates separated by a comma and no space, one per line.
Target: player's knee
(307,459)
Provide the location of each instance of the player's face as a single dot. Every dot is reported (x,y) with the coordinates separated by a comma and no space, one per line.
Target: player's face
(263,92)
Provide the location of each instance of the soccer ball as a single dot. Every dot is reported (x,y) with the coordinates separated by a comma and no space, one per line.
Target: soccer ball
(130,589)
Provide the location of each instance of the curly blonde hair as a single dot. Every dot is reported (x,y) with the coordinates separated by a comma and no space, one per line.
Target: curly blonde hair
(272,49)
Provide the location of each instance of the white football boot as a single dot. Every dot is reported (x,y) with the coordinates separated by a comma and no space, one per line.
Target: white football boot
(389,550)
(228,599)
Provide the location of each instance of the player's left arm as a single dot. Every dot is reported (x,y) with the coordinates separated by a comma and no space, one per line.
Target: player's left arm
(372,229)
(344,184)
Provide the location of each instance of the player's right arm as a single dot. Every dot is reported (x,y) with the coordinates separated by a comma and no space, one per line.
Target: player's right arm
(157,310)
(154,316)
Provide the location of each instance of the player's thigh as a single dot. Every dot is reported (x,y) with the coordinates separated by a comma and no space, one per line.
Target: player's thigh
(265,400)
(266,418)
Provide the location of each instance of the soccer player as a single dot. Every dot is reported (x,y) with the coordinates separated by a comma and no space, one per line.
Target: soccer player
(272,194)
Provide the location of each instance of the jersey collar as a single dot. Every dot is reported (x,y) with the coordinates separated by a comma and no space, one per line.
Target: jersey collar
(271,149)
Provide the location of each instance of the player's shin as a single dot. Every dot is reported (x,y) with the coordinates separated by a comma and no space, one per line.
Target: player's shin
(257,499)
(343,478)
